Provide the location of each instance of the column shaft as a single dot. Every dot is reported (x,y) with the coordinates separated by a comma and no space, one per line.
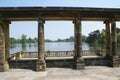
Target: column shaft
(78,39)
(41,64)
(2,43)
(108,39)
(3,63)
(41,40)
(75,40)
(114,38)
(6,32)
(80,63)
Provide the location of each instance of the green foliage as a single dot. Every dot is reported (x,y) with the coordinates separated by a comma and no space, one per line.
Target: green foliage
(117,30)
(70,39)
(101,37)
(118,38)
(84,38)
(23,38)
(48,40)
(93,36)
(13,40)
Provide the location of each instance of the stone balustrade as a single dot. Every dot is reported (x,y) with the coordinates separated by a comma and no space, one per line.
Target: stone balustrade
(21,54)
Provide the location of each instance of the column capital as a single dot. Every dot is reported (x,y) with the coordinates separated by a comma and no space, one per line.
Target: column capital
(109,20)
(7,21)
(41,20)
(77,19)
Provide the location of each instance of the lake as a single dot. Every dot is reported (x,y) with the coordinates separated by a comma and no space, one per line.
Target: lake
(56,46)
(52,46)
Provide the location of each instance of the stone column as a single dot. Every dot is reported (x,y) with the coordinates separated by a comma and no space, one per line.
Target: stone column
(114,38)
(75,37)
(6,33)
(108,39)
(114,59)
(78,39)
(80,64)
(3,62)
(41,65)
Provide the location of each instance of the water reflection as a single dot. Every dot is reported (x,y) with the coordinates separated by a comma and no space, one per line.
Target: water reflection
(53,46)
(12,46)
(24,46)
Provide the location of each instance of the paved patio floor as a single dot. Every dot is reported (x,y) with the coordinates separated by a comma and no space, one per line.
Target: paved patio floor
(90,73)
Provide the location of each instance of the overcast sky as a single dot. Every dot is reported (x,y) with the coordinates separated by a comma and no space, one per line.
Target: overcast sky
(57,29)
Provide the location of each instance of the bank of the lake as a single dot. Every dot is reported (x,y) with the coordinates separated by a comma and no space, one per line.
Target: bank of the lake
(52,46)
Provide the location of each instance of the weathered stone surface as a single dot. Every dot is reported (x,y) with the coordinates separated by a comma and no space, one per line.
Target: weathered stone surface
(114,61)
(78,39)
(22,64)
(40,39)
(41,65)
(108,39)
(80,64)
(60,63)
(6,33)
(114,38)
(3,62)
(90,73)
(4,66)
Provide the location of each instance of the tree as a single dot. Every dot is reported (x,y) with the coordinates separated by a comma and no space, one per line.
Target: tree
(101,37)
(13,41)
(93,36)
(23,38)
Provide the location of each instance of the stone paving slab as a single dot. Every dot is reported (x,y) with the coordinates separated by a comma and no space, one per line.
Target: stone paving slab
(90,73)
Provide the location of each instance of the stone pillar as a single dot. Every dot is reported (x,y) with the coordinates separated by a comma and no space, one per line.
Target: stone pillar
(41,65)
(75,43)
(78,39)
(3,62)
(6,33)
(114,38)
(114,59)
(80,64)
(108,39)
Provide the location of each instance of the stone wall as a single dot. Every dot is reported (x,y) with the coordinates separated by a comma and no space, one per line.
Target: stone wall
(100,61)
(22,64)
(62,63)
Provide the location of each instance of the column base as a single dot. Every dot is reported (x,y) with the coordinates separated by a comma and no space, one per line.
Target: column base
(40,65)
(4,66)
(80,64)
(114,61)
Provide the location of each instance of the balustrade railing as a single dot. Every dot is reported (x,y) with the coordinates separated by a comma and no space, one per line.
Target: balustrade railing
(21,54)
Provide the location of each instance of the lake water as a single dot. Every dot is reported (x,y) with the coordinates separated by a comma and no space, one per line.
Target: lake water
(52,46)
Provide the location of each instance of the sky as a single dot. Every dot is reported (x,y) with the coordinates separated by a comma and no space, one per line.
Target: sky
(56,29)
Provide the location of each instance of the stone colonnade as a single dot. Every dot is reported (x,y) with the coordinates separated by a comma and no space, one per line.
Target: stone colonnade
(111,44)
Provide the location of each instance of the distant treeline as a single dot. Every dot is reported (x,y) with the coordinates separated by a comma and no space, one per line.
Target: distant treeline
(93,37)
(24,39)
